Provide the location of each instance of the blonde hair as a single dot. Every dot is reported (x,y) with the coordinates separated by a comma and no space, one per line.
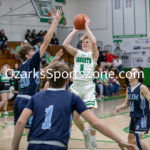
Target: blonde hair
(85,36)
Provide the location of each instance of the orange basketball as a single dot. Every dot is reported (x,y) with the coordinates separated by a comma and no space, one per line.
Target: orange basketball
(79,21)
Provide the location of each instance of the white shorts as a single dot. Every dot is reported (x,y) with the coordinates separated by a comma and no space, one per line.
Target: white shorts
(86,91)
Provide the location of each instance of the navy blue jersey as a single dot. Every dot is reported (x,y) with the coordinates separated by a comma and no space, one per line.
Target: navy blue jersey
(139,106)
(52,112)
(30,75)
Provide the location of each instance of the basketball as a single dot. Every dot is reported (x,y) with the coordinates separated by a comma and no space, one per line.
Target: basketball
(79,21)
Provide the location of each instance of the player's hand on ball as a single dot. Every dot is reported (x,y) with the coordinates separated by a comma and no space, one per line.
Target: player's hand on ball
(75,30)
(124,145)
(87,22)
(117,109)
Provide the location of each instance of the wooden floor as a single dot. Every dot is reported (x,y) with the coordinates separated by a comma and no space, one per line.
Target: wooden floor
(105,112)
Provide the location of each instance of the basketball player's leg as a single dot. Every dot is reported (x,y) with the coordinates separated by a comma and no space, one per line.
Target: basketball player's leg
(76,117)
(79,123)
(19,105)
(143,145)
(3,99)
(90,101)
(137,140)
(5,105)
(93,143)
(135,137)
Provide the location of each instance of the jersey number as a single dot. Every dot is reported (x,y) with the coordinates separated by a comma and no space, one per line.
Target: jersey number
(48,117)
(24,82)
(82,68)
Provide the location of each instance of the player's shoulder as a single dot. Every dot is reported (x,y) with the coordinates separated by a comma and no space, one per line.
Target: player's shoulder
(74,97)
(27,62)
(143,87)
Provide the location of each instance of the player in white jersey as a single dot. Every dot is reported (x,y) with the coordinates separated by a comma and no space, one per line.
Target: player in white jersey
(83,85)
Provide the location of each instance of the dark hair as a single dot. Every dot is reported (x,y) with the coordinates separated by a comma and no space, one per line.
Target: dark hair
(140,79)
(140,74)
(55,69)
(23,51)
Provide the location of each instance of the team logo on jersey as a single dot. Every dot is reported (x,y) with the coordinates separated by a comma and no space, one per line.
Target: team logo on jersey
(133,97)
(84,60)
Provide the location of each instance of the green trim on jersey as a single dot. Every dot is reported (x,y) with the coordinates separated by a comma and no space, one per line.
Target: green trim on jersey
(4,78)
(5,91)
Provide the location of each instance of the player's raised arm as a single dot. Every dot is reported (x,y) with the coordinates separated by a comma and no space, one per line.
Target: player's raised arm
(67,41)
(145,92)
(96,123)
(50,33)
(124,105)
(92,39)
(19,128)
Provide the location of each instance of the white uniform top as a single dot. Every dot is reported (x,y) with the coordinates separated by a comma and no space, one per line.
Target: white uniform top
(84,66)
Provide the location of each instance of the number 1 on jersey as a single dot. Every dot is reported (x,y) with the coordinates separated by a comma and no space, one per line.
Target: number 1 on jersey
(82,68)
(48,117)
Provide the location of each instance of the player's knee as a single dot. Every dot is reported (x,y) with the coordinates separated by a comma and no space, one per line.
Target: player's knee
(4,99)
(131,139)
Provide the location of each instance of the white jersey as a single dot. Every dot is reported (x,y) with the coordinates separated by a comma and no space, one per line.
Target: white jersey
(84,66)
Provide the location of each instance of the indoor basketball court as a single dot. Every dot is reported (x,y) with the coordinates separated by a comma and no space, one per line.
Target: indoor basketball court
(106,42)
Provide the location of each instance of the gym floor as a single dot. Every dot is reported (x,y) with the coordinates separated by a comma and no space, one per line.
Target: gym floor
(105,112)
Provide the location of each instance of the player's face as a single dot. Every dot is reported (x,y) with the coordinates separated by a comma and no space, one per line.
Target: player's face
(4,69)
(133,74)
(86,45)
(30,54)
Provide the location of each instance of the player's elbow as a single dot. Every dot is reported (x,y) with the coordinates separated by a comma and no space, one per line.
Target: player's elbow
(65,45)
(21,122)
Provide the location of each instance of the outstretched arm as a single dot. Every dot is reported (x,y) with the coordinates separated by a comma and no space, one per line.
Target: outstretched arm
(92,39)
(50,33)
(124,105)
(67,41)
(97,124)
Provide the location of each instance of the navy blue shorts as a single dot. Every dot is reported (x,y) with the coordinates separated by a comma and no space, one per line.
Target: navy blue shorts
(139,125)
(44,147)
(19,105)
